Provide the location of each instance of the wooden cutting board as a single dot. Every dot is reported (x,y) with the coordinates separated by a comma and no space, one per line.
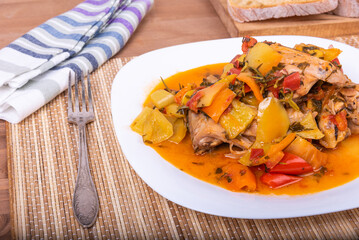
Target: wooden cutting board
(322,25)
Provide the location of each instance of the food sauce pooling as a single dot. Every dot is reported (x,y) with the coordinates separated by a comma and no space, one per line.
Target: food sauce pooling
(342,166)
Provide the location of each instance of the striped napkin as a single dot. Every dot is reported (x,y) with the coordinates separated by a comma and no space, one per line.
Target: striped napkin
(36,67)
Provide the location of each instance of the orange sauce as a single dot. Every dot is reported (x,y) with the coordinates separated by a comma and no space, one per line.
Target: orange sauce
(342,166)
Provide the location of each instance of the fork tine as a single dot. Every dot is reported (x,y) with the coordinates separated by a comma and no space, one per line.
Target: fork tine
(77,95)
(69,98)
(89,93)
(83,94)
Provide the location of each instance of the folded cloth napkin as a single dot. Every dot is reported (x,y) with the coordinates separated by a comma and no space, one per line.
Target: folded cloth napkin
(36,67)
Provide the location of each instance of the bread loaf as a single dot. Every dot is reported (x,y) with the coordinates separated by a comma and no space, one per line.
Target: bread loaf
(254,10)
(347,8)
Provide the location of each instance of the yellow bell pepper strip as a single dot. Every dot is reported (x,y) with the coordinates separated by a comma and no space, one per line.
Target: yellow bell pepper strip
(220,103)
(331,54)
(252,84)
(226,69)
(304,149)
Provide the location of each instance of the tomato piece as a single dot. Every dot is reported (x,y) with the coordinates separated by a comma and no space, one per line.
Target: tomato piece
(256,153)
(278,180)
(292,164)
(336,62)
(275,91)
(248,42)
(235,60)
(193,102)
(339,120)
(292,81)
(247,89)
(235,71)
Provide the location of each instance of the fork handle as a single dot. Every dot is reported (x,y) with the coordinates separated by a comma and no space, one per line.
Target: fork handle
(85,200)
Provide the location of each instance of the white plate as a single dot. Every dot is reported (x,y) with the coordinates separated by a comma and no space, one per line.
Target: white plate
(130,88)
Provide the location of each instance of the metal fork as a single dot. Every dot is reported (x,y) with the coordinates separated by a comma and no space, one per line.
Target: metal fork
(85,200)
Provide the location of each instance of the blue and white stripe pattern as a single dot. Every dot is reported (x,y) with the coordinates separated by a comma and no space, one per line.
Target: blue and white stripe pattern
(78,41)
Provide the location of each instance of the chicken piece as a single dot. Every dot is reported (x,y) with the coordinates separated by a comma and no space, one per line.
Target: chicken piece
(251,131)
(212,79)
(206,134)
(354,128)
(312,69)
(351,96)
(332,135)
(294,116)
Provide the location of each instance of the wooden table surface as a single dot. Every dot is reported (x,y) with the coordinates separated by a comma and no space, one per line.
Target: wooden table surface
(169,22)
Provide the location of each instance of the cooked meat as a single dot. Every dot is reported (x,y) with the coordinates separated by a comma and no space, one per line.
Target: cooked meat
(334,105)
(206,134)
(294,116)
(251,131)
(354,128)
(332,135)
(212,79)
(312,69)
(351,96)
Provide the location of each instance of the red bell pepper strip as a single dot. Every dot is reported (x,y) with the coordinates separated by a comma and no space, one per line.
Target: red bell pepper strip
(247,89)
(278,180)
(256,153)
(292,164)
(340,120)
(248,42)
(292,82)
(275,91)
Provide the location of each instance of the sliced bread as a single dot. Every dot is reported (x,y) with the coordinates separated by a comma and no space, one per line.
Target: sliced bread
(255,10)
(347,8)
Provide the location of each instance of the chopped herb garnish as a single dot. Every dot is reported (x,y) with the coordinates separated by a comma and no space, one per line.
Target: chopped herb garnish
(198,163)
(166,87)
(219,170)
(296,127)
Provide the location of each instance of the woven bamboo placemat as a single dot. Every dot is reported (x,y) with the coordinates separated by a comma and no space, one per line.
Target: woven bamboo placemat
(42,164)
